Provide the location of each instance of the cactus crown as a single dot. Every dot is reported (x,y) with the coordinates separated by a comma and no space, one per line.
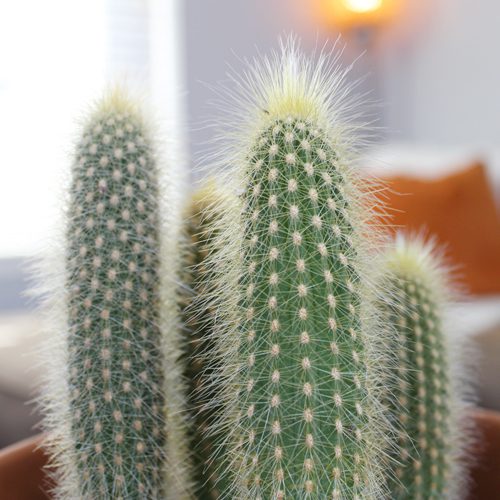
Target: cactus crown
(106,400)
(303,420)
(431,388)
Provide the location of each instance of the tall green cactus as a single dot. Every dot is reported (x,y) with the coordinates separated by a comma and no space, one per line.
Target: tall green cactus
(201,357)
(105,404)
(429,399)
(297,337)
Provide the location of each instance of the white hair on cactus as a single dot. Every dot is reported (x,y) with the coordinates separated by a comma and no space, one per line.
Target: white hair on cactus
(178,469)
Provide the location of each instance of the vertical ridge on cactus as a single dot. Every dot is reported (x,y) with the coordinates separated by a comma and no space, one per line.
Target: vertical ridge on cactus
(298,336)
(105,399)
(431,381)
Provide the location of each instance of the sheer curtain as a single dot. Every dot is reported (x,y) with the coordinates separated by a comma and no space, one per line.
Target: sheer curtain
(55,57)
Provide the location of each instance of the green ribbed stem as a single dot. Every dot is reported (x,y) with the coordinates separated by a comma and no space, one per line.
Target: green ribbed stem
(304,400)
(114,342)
(422,399)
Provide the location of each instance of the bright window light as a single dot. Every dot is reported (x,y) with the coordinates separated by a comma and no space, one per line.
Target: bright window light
(56,58)
(52,65)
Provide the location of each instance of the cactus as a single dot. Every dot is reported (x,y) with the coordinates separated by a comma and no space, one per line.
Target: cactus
(430,398)
(296,327)
(105,398)
(200,360)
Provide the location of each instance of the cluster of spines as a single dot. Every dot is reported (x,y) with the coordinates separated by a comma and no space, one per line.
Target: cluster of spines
(425,407)
(303,422)
(115,363)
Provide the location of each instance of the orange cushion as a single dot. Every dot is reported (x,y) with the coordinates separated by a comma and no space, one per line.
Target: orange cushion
(459,210)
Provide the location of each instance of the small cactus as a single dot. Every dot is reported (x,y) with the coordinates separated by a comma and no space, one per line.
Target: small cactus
(297,336)
(429,400)
(105,400)
(200,359)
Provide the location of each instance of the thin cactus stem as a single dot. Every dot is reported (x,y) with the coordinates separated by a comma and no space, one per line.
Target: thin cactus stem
(200,358)
(105,398)
(429,376)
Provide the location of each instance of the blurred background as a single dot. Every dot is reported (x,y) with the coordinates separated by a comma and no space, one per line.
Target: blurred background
(431,65)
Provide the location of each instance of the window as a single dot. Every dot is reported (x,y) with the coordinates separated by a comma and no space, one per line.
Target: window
(56,57)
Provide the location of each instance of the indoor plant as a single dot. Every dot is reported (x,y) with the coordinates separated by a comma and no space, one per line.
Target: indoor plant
(299,215)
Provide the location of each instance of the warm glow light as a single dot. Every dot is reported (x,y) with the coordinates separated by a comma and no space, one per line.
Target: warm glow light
(363,5)
(352,14)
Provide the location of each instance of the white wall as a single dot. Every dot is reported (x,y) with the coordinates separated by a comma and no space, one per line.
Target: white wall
(441,73)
